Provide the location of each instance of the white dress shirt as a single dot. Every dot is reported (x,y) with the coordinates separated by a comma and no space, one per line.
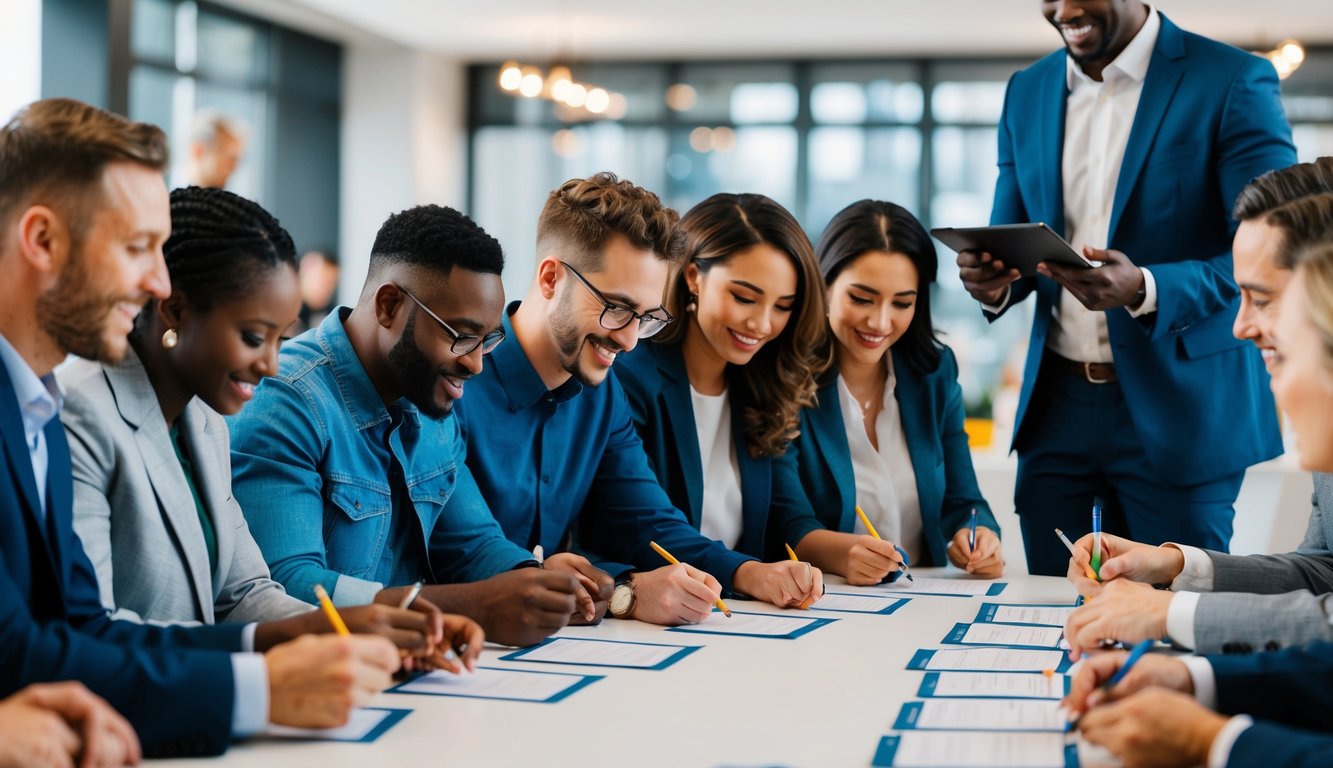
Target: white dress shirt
(885,480)
(721,514)
(39,401)
(1098,118)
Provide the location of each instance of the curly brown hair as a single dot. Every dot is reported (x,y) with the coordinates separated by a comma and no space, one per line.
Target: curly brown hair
(582,214)
(780,380)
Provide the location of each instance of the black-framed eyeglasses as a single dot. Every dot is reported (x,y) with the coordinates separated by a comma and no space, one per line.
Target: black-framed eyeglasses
(463,343)
(617,316)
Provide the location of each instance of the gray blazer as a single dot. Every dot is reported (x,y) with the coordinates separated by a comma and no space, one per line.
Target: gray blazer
(1266,602)
(136,516)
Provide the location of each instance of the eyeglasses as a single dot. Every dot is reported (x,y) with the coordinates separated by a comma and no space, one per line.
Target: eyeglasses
(463,343)
(617,316)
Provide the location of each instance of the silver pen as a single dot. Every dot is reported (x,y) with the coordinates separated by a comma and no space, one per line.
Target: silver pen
(411,596)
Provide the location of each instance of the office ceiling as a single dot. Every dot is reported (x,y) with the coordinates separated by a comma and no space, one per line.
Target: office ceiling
(600,29)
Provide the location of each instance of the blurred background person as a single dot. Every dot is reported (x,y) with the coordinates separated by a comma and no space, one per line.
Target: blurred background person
(217,144)
(318,275)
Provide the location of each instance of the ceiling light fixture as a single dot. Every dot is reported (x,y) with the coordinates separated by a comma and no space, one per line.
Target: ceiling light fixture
(1287,57)
(574,100)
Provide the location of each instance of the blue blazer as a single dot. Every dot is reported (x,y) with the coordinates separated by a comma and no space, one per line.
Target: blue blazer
(1265,744)
(774,508)
(1292,686)
(931,409)
(53,626)
(1209,120)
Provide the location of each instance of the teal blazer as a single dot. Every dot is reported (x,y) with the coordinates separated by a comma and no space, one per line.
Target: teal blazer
(775,510)
(931,409)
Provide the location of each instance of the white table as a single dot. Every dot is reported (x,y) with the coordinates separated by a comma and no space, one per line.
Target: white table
(823,699)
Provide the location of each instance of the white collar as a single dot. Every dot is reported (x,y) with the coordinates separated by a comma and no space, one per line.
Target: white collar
(1132,62)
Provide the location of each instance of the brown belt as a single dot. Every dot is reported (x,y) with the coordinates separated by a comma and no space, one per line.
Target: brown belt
(1093,373)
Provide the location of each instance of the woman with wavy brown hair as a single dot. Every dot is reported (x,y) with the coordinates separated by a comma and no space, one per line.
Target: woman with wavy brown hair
(717,396)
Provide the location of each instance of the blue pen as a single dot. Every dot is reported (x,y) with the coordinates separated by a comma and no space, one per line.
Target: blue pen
(972,531)
(1143,647)
(1097,505)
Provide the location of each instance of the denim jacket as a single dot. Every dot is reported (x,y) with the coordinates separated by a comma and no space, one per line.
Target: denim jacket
(342,491)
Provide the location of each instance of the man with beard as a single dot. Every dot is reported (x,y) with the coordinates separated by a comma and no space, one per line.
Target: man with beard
(84,215)
(349,466)
(1133,142)
(550,438)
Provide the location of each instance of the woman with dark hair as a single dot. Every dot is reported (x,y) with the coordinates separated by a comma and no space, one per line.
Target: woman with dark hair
(152,468)
(717,396)
(887,432)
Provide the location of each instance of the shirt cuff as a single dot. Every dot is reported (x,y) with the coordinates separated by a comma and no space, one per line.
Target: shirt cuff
(995,309)
(1149,304)
(353,591)
(1197,573)
(248,637)
(249,707)
(1220,752)
(1180,618)
(1205,683)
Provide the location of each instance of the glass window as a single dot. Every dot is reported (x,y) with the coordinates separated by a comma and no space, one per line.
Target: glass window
(230,49)
(748,159)
(855,93)
(851,163)
(153,30)
(740,93)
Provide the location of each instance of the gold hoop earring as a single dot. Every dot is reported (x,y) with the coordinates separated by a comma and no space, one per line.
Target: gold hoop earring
(170,339)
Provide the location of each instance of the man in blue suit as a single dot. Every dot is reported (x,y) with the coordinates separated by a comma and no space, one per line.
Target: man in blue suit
(1165,711)
(84,214)
(1134,142)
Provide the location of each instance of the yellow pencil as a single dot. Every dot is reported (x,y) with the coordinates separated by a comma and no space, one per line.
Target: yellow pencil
(332,613)
(721,606)
(866,522)
(792,553)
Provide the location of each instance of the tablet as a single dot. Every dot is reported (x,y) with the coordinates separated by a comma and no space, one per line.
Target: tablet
(1021,246)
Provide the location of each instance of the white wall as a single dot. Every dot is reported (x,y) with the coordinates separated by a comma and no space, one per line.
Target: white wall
(404,143)
(20,55)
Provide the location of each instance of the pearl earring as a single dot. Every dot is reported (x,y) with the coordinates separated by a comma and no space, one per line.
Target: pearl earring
(693,304)
(169,339)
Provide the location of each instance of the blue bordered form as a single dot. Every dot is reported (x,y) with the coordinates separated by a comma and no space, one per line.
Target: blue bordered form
(987,612)
(959,631)
(887,751)
(811,624)
(930,683)
(910,715)
(992,591)
(393,717)
(576,683)
(921,659)
(681,652)
(898,602)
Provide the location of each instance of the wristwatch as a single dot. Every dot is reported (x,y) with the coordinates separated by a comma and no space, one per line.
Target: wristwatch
(623,598)
(1139,296)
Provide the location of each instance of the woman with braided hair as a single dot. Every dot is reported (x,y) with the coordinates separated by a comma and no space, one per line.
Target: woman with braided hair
(153,503)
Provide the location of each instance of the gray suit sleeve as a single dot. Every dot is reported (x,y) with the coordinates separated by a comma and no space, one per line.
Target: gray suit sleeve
(1310,567)
(1232,622)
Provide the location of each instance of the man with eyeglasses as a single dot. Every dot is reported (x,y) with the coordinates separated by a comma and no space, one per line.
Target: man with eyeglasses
(549,437)
(350,467)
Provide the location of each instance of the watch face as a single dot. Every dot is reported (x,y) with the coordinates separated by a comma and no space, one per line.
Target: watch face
(622,599)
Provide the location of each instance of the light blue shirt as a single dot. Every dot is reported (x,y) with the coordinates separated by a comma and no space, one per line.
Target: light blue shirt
(39,400)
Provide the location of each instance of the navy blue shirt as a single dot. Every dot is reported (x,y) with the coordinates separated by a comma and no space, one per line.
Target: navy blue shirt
(568,462)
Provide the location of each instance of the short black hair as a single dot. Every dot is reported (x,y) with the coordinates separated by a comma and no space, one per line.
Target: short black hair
(221,245)
(436,237)
(876,225)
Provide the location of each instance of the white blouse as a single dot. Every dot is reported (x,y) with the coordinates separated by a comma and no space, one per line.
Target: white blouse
(885,481)
(721,517)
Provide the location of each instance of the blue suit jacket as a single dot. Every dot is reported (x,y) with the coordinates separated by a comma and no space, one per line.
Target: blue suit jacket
(53,626)
(775,510)
(1266,745)
(931,409)
(1209,120)
(1293,686)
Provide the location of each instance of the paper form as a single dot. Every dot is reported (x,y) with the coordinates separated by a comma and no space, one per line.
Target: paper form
(493,683)
(955,587)
(1046,615)
(990,660)
(365,724)
(851,603)
(982,715)
(916,749)
(754,625)
(1002,685)
(1005,634)
(603,653)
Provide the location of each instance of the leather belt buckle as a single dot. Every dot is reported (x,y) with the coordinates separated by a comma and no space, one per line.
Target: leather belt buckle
(1087,374)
